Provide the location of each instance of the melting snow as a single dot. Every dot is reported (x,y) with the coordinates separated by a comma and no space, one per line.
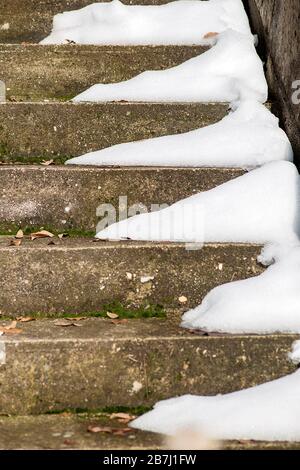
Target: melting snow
(268,303)
(259,207)
(268,412)
(248,137)
(180,22)
(229,71)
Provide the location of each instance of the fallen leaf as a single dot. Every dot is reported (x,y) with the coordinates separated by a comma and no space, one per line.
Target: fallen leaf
(25,319)
(19,234)
(76,318)
(65,323)
(10,329)
(182,299)
(117,322)
(211,34)
(41,234)
(123,418)
(96,429)
(47,162)
(112,315)
(16,242)
(109,430)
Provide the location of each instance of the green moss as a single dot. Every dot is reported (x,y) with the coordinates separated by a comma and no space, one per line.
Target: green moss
(30,159)
(124,312)
(145,311)
(136,411)
(28,229)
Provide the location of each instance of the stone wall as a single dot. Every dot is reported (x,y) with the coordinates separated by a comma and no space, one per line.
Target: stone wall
(277,22)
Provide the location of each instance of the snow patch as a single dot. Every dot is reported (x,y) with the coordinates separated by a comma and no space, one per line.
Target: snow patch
(248,137)
(294,355)
(268,303)
(259,207)
(229,71)
(268,412)
(180,22)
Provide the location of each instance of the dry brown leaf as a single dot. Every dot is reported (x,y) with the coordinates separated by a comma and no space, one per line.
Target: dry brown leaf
(76,318)
(16,242)
(47,162)
(41,234)
(117,322)
(109,430)
(95,429)
(211,34)
(112,315)
(10,329)
(65,323)
(123,418)
(19,234)
(25,319)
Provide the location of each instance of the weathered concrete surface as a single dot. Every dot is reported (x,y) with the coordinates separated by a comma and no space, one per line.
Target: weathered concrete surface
(68,197)
(31,20)
(277,23)
(60,129)
(70,431)
(32,72)
(79,275)
(100,364)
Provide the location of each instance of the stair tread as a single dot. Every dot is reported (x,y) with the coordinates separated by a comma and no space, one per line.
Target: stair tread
(100,364)
(78,275)
(70,431)
(45,192)
(28,70)
(52,130)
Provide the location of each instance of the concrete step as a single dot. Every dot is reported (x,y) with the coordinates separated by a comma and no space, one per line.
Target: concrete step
(100,364)
(31,20)
(81,276)
(67,197)
(51,130)
(33,72)
(70,431)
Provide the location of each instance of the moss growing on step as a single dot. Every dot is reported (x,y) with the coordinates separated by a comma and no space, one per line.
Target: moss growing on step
(11,230)
(8,159)
(135,411)
(147,310)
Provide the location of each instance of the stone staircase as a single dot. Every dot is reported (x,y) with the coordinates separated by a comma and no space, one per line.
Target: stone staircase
(60,376)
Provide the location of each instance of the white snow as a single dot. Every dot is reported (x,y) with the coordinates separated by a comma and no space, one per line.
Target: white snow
(259,207)
(268,303)
(294,355)
(269,412)
(229,71)
(248,137)
(180,22)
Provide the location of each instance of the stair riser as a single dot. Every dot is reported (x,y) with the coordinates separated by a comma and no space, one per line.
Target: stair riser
(33,73)
(38,196)
(41,376)
(82,277)
(31,20)
(67,129)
